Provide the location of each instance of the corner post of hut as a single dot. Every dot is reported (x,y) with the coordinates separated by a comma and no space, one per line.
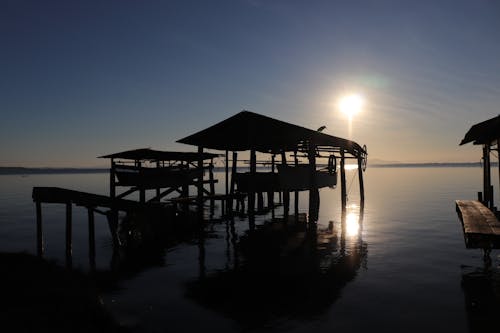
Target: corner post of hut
(313,187)
(343,188)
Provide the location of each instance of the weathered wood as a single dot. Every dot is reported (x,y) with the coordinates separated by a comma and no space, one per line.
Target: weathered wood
(480,225)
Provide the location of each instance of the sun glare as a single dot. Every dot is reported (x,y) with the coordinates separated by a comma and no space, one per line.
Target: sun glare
(351,104)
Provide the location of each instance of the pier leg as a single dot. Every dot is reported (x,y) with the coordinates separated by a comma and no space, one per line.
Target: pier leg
(251,193)
(39,231)
(487,175)
(69,234)
(296,193)
(313,188)
(343,181)
(199,198)
(361,183)
(270,194)
(286,194)
(90,212)
(233,174)
(212,188)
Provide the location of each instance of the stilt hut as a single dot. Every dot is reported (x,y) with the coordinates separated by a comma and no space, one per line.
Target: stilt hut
(249,131)
(164,172)
(487,134)
(480,225)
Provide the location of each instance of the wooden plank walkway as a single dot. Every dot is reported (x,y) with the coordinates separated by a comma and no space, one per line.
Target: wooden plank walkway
(480,225)
(62,195)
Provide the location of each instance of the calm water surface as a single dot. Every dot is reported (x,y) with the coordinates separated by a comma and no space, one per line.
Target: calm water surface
(400,266)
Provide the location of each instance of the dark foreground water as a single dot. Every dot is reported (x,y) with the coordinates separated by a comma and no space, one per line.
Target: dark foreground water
(401,265)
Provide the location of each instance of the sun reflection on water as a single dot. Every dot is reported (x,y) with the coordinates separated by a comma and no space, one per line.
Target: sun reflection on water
(352,225)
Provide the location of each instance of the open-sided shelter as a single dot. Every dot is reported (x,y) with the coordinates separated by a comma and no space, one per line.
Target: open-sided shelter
(249,131)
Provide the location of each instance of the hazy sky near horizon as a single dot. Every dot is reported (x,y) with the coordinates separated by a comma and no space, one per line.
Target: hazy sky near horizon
(81,79)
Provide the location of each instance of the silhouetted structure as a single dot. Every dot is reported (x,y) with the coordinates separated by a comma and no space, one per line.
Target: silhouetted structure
(481,226)
(248,131)
(164,172)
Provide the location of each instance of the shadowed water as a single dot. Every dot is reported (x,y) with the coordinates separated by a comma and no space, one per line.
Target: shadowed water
(399,265)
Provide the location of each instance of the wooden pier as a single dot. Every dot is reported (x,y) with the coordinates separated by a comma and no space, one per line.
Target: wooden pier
(480,218)
(93,203)
(480,226)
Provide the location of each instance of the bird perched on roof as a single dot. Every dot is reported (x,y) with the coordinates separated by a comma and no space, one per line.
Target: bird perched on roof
(321,128)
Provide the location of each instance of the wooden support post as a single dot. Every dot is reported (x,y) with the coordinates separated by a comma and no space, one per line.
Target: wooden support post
(158,191)
(286,194)
(69,234)
(112,183)
(251,191)
(225,208)
(233,175)
(487,175)
(270,194)
(343,188)
(296,193)
(361,183)
(90,212)
(313,189)
(212,187)
(199,199)
(39,230)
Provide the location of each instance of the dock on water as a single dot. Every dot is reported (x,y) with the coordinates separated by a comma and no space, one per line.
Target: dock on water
(159,185)
(479,217)
(480,226)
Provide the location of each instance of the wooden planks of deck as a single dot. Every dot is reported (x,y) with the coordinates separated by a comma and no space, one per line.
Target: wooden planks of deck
(480,226)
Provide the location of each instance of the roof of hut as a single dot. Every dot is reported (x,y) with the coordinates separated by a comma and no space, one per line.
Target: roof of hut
(146,154)
(485,132)
(248,130)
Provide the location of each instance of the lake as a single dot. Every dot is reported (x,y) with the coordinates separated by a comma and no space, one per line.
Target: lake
(399,265)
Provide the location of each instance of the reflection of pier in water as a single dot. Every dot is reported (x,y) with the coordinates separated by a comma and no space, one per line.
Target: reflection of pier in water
(285,268)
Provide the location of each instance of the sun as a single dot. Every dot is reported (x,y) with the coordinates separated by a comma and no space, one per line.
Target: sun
(351,104)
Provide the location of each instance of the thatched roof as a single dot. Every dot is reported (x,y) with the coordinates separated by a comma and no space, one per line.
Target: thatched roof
(486,132)
(146,154)
(248,130)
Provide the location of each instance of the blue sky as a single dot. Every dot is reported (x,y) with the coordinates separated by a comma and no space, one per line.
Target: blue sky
(80,79)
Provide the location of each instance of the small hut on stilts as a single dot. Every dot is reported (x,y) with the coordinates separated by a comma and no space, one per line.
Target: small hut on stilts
(259,134)
(480,217)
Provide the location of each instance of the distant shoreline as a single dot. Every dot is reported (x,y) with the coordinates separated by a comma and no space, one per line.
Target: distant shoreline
(34,171)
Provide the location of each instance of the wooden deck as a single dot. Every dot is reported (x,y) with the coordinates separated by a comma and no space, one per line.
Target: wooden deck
(480,225)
